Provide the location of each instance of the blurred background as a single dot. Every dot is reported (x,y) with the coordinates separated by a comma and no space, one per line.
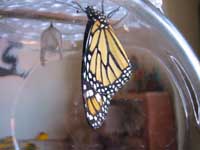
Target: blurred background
(185,14)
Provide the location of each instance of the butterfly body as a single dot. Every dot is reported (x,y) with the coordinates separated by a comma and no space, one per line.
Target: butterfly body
(96,15)
(105,66)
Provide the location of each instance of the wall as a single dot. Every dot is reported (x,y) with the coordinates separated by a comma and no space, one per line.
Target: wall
(185,15)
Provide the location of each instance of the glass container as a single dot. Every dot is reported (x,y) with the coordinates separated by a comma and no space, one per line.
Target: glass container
(41,101)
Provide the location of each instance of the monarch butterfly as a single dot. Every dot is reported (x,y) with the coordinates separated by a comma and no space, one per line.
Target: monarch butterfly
(105,65)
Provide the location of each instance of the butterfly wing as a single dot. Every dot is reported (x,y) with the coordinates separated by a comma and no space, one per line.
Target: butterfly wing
(105,69)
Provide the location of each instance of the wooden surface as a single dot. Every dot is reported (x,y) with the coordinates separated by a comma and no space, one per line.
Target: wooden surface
(46,15)
(161,133)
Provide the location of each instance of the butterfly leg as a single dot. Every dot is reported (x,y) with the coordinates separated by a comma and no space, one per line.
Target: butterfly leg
(110,14)
(102,6)
(78,5)
(120,20)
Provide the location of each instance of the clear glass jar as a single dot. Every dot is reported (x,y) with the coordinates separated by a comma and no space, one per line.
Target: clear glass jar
(41,99)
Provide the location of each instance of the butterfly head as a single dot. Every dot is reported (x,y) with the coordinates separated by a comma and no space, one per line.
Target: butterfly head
(94,14)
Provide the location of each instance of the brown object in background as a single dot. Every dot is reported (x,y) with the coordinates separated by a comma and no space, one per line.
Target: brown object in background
(161,131)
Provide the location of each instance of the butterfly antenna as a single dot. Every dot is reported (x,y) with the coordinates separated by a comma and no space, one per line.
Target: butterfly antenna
(121,19)
(110,14)
(79,5)
(65,3)
(102,6)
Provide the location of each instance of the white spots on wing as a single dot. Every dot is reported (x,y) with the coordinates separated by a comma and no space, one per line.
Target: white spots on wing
(95,87)
(119,85)
(87,66)
(90,40)
(106,107)
(109,96)
(89,57)
(90,76)
(91,83)
(98,97)
(102,25)
(84,75)
(104,98)
(103,109)
(108,102)
(84,87)
(108,92)
(100,114)
(89,93)
(102,90)
(90,117)
(95,118)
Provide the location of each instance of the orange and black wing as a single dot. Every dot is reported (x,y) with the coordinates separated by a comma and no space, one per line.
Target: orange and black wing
(105,69)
